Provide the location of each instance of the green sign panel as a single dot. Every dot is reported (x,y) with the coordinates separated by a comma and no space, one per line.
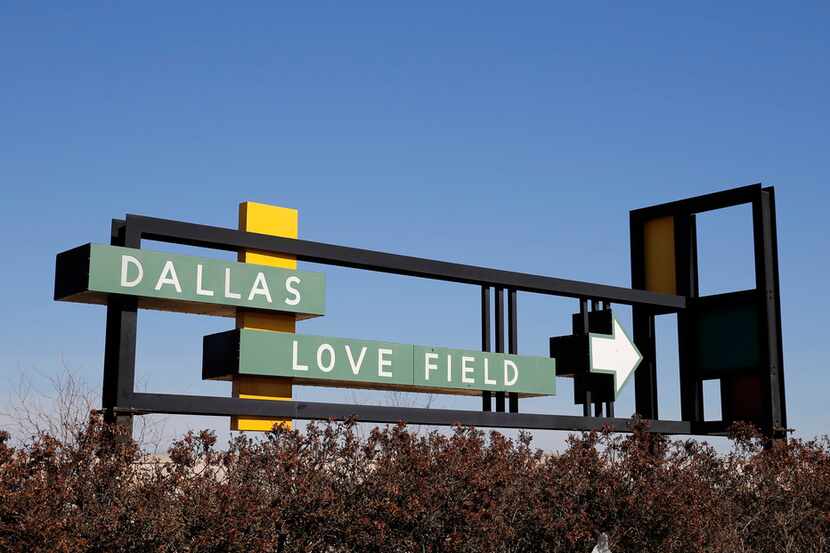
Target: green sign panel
(315,357)
(93,270)
(374,364)
(476,370)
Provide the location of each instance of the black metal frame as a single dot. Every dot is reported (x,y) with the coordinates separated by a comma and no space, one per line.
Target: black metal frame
(121,401)
(683,212)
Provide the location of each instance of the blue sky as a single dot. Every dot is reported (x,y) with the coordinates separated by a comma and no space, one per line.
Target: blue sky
(505,135)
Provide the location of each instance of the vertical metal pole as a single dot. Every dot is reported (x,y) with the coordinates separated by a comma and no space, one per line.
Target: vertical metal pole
(512,342)
(645,378)
(765,279)
(583,313)
(500,339)
(120,343)
(691,386)
(609,405)
(772,252)
(597,405)
(486,395)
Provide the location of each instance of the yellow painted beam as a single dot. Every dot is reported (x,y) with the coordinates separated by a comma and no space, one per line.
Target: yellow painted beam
(660,271)
(274,221)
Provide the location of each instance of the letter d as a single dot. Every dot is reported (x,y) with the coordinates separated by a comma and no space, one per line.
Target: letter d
(510,381)
(126,261)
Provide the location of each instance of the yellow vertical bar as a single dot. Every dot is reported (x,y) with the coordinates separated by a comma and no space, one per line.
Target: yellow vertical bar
(660,272)
(276,221)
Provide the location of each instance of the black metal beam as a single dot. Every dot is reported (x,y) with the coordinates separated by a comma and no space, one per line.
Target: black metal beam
(120,343)
(499,292)
(216,406)
(583,315)
(700,204)
(512,343)
(766,282)
(770,191)
(686,282)
(645,378)
(486,395)
(234,240)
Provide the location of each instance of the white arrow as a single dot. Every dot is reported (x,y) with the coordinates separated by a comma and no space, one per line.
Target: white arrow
(614,354)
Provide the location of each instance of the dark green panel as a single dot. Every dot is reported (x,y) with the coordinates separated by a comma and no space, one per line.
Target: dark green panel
(726,335)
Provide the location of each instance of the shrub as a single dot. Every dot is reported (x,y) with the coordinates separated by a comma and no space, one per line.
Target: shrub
(326,489)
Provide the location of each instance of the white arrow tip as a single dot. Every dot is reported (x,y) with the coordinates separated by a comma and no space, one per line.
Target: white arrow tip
(614,354)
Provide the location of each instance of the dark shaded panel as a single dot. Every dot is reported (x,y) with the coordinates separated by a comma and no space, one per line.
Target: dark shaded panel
(72,272)
(742,399)
(725,330)
(220,355)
